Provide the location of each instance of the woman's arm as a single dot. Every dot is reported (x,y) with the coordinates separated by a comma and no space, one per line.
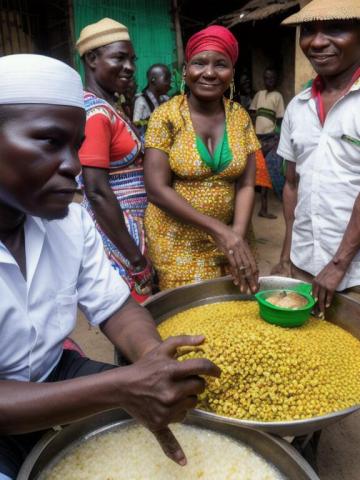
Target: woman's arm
(109,214)
(158,179)
(245,197)
(244,205)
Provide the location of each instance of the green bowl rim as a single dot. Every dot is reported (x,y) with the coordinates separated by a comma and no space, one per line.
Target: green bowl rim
(309,305)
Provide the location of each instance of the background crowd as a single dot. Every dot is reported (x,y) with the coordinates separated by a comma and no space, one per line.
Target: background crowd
(181,213)
(172,188)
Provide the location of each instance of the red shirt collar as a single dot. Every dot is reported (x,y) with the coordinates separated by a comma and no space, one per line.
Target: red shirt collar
(317,88)
(318,83)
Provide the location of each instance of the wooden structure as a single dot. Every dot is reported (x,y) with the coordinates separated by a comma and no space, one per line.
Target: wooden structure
(263,42)
(50,27)
(257,10)
(36,26)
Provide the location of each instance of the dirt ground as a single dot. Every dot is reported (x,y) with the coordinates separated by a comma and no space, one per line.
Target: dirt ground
(338,456)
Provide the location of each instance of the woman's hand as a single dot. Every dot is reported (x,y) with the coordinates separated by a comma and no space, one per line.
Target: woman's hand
(141,276)
(242,263)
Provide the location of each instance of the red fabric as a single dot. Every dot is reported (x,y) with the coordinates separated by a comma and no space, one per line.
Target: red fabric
(139,298)
(214,38)
(316,93)
(70,344)
(105,141)
(262,173)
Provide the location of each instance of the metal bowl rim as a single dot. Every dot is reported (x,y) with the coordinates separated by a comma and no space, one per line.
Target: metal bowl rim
(192,418)
(285,423)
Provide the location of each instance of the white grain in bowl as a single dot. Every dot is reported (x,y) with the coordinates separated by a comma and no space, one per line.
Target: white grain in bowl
(132,453)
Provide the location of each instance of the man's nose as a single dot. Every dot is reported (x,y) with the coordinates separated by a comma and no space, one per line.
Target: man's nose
(129,66)
(319,41)
(70,163)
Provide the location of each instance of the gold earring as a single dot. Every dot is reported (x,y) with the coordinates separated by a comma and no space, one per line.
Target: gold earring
(232,90)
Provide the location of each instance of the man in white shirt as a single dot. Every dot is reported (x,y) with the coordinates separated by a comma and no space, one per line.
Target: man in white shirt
(51,261)
(320,139)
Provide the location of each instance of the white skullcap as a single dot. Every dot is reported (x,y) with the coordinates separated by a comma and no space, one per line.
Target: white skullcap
(28,78)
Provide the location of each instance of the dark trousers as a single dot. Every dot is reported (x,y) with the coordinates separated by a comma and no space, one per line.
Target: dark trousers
(15,448)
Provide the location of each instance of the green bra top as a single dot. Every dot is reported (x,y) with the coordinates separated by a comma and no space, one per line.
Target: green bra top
(222,154)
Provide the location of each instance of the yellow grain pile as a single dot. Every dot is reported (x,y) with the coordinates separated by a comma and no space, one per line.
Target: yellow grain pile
(271,373)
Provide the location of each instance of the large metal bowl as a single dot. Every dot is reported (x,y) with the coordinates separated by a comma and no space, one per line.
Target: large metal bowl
(56,445)
(345,312)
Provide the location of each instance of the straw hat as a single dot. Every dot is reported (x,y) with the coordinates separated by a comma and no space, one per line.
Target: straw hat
(101,33)
(322,10)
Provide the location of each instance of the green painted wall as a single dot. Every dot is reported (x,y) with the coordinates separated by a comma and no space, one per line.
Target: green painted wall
(149,23)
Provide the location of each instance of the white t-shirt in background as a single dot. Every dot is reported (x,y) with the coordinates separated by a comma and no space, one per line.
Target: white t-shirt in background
(271,101)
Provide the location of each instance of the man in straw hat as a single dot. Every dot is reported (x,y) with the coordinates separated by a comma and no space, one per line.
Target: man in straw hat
(320,139)
(51,260)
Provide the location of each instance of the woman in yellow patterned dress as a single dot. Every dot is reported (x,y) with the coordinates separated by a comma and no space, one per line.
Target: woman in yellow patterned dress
(200,173)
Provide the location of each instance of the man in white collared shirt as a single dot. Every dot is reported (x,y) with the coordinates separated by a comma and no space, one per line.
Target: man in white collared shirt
(320,139)
(51,261)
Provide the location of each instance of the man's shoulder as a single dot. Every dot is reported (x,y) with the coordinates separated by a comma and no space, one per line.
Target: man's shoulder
(299,101)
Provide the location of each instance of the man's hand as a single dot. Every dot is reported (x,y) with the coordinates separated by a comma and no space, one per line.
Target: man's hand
(161,390)
(283,268)
(326,282)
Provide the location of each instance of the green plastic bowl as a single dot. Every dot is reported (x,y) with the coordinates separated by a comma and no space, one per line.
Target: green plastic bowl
(286,317)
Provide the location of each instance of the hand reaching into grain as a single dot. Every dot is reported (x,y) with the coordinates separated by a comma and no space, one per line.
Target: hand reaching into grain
(161,390)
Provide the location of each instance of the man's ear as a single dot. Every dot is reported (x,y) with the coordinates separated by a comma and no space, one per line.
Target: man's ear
(90,59)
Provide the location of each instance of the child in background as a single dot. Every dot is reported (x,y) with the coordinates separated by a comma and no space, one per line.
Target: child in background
(267,110)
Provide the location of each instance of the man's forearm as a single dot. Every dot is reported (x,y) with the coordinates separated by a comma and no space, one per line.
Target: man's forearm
(132,330)
(29,406)
(289,204)
(350,244)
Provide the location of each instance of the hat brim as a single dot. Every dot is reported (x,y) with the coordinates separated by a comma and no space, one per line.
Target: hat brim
(322,15)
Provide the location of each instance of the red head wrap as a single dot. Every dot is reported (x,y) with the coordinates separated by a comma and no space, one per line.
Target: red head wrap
(214,38)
